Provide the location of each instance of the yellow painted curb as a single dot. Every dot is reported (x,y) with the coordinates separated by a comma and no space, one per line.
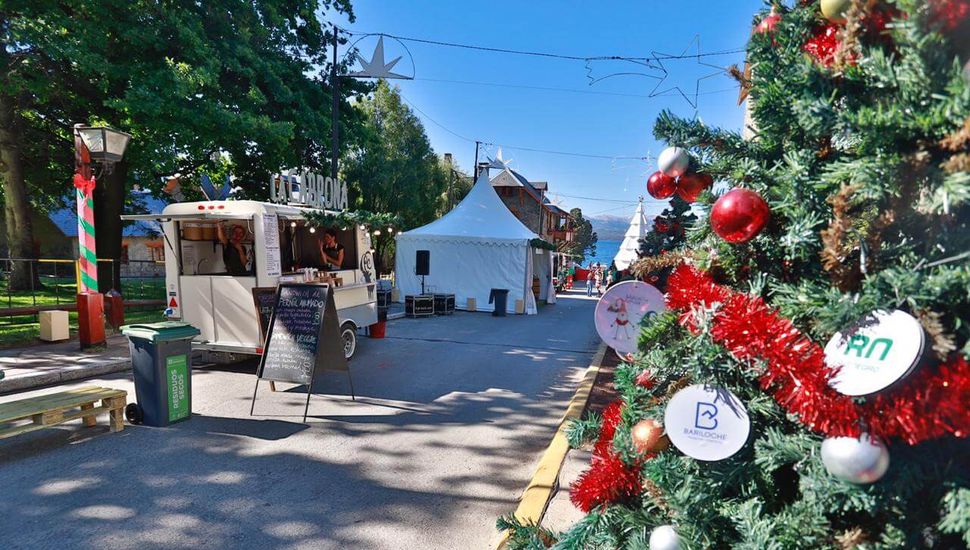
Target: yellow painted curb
(536,497)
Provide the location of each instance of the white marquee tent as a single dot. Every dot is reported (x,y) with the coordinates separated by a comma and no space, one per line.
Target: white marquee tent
(631,241)
(478,246)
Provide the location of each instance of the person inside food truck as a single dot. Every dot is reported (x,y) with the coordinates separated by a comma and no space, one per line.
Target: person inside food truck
(233,250)
(331,252)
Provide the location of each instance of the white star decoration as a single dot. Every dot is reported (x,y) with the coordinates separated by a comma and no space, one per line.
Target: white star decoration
(498,162)
(376,68)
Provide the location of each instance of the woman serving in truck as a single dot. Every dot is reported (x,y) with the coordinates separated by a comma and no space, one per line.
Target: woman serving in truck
(233,251)
(331,252)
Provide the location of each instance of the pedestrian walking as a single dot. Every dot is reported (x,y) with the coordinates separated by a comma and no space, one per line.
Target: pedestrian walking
(589,281)
(599,283)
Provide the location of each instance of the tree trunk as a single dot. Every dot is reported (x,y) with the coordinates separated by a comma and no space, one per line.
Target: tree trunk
(20,236)
(109,204)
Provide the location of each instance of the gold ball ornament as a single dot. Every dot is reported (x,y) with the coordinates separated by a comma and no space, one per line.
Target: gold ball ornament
(835,10)
(648,436)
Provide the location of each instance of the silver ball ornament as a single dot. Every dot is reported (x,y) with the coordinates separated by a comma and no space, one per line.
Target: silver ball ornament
(860,461)
(673,161)
(664,537)
(835,10)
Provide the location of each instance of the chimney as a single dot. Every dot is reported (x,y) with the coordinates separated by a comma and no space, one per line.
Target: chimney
(482,167)
(448,158)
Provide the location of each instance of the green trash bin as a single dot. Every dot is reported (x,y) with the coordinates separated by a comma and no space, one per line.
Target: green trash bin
(161,360)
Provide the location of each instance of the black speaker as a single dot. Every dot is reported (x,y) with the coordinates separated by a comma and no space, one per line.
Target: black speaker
(422,262)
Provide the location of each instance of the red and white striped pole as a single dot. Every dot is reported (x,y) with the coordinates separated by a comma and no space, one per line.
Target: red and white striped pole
(90,303)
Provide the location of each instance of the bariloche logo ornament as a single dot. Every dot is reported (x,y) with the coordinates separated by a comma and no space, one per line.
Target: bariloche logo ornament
(876,352)
(707,423)
(621,309)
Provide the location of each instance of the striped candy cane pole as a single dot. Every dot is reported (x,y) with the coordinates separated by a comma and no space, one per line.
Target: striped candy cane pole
(87,258)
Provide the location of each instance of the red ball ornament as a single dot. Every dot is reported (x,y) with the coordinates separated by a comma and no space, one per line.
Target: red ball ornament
(690,185)
(648,436)
(661,186)
(769,23)
(823,44)
(739,215)
(644,380)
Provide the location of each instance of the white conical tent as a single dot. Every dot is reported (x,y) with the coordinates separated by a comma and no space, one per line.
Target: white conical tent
(478,246)
(631,241)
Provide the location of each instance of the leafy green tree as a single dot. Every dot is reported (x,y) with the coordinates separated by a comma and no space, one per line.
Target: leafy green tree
(584,238)
(393,168)
(185,79)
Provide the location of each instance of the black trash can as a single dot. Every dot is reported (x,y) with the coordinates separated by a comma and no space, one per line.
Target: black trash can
(161,358)
(500,296)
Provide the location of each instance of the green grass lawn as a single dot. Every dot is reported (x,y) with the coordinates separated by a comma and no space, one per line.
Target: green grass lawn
(24,330)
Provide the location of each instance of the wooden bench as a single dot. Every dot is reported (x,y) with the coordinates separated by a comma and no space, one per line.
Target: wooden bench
(43,411)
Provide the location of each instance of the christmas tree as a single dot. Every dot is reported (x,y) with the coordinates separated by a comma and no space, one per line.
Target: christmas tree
(660,248)
(808,385)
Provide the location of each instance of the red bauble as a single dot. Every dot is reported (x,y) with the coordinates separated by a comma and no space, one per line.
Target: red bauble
(648,436)
(768,24)
(661,186)
(690,185)
(660,226)
(949,13)
(739,215)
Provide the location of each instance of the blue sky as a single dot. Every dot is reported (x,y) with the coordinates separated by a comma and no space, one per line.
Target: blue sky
(615,120)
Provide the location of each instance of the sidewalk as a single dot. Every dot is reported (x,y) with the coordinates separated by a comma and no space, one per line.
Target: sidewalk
(35,366)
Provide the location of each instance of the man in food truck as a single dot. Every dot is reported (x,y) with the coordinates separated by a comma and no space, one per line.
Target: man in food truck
(331,252)
(233,250)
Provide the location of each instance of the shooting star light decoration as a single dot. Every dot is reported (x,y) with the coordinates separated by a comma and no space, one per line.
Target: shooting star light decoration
(376,67)
(691,99)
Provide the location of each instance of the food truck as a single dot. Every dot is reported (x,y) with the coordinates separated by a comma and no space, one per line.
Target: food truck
(278,245)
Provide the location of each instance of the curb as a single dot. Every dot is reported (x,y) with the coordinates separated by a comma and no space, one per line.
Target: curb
(535,499)
(66,374)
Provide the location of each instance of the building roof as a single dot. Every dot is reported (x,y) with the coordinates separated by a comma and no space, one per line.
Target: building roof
(535,189)
(142,203)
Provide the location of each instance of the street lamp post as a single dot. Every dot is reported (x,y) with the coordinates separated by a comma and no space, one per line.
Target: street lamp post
(96,151)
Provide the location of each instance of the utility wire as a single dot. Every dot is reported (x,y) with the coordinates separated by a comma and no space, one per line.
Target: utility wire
(571,90)
(538,53)
(515,147)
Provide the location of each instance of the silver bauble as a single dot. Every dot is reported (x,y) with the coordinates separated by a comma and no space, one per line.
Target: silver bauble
(673,161)
(664,537)
(861,461)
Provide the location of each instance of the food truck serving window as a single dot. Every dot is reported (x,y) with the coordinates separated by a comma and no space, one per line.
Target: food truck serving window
(217,247)
(310,243)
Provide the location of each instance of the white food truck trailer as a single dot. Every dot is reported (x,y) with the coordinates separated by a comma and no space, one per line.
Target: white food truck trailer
(280,248)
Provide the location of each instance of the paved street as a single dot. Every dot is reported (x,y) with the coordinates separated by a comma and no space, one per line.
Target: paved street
(451,416)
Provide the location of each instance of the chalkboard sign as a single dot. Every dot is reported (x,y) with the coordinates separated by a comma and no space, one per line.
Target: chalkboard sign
(303,334)
(265,300)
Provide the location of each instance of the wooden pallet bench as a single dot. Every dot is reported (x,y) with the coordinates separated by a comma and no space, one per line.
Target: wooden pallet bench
(43,411)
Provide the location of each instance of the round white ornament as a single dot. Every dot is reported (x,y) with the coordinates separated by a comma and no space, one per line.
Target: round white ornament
(862,460)
(664,537)
(706,422)
(879,350)
(620,310)
(673,161)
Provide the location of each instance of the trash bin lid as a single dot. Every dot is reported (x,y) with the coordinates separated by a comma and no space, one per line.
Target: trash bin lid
(163,331)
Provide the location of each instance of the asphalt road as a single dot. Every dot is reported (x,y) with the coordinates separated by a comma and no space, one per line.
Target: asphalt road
(452,414)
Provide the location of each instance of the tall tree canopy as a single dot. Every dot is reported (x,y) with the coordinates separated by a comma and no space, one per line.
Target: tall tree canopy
(185,79)
(392,168)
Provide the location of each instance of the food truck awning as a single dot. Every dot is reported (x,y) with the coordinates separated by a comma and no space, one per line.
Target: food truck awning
(187,217)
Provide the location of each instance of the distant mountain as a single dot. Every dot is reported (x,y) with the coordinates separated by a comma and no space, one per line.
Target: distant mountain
(610,228)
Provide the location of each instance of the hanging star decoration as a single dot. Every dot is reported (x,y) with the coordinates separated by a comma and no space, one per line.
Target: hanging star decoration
(376,67)
(499,163)
(688,97)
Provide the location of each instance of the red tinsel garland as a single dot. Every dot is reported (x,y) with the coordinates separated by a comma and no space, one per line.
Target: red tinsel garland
(608,480)
(931,403)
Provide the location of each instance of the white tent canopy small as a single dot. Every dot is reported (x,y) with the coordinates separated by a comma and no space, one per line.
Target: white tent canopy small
(631,241)
(478,246)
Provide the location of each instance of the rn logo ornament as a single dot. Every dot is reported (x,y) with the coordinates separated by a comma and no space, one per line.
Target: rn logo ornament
(707,423)
(879,350)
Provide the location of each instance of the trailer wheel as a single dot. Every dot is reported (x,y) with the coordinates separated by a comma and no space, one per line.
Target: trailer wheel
(348,333)
(134,414)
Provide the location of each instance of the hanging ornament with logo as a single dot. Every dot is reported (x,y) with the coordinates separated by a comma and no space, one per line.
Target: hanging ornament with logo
(878,351)
(621,309)
(707,422)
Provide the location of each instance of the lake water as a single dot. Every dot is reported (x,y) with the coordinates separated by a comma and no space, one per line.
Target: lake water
(605,251)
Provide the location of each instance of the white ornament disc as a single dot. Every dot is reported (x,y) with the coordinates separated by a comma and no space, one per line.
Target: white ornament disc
(673,161)
(885,348)
(620,310)
(706,422)
(862,460)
